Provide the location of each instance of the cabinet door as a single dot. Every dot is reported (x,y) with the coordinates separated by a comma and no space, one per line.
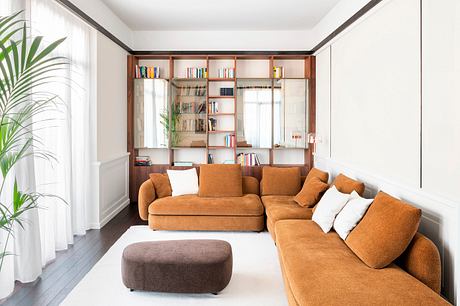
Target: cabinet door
(150,113)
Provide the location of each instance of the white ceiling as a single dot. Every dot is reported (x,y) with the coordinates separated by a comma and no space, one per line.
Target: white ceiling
(151,15)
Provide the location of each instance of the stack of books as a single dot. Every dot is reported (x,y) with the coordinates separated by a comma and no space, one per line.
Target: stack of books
(196,73)
(213,107)
(226,73)
(143,161)
(145,72)
(278,72)
(248,159)
(224,91)
(230,141)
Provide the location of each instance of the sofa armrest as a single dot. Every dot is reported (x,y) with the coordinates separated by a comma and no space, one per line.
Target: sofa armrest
(146,197)
(421,259)
(250,185)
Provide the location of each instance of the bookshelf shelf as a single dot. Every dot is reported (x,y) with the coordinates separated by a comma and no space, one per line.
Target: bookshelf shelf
(219,147)
(222,79)
(220,132)
(221,97)
(220,114)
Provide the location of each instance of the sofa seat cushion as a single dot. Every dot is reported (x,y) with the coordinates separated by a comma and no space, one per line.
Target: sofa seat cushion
(321,270)
(193,205)
(284,207)
(277,213)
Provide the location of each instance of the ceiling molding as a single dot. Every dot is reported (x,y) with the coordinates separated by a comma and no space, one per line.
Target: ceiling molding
(69,5)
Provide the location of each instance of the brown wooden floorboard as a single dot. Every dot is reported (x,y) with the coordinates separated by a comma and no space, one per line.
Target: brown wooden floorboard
(70,266)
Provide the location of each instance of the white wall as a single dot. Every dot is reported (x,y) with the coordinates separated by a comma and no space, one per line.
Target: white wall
(97,10)
(388,113)
(221,40)
(109,119)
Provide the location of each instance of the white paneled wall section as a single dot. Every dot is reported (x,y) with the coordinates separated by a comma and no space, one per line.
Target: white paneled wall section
(388,113)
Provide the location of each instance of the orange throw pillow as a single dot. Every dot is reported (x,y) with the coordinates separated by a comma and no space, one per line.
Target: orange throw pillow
(311,192)
(161,183)
(385,231)
(280,181)
(345,184)
(221,181)
(315,172)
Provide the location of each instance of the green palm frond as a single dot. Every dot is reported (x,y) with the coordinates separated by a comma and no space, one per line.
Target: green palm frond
(26,65)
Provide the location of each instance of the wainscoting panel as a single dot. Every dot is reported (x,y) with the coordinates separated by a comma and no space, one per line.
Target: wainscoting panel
(439,220)
(111,189)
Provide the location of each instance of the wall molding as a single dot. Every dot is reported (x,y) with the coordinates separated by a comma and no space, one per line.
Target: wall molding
(440,225)
(111,189)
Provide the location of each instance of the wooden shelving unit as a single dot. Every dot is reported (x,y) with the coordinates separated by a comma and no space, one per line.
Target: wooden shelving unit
(172,69)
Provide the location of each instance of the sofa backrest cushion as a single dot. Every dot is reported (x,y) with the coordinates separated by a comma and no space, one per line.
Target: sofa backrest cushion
(346,185)
(315,172)
(220,181)
(311,192)
(421,259)
(250,185)
(162,185)
(385,231)
(280,181)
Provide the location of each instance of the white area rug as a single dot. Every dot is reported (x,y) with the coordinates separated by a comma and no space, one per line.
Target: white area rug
(256,278)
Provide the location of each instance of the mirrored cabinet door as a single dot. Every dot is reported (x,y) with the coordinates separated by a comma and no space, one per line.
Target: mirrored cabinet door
(150,113)
(290,110)
(254,118)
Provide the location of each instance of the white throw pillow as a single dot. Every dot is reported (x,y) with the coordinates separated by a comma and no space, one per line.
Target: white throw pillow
(351,214)
(328,207)
(183,181)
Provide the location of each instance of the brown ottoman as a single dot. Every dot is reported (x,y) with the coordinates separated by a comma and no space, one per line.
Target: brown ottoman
(180,266)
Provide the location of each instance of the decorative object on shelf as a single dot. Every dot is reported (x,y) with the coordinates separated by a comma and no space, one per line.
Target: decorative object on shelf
(229,141)
(248,159)
(143,161)
(278,72)
(226,73)
(145,72)
(313,138)
(210,158)
(226,91)
(196,73)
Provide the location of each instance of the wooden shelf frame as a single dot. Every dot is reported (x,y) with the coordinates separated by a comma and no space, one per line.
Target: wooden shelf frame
(138,174)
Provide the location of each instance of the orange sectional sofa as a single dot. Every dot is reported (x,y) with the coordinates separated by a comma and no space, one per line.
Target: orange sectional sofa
(318,268)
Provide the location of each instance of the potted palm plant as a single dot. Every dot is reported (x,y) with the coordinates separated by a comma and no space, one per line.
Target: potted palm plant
(26,64)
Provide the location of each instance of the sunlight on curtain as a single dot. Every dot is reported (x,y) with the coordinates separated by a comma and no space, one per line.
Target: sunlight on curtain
(69,178)
(257,106)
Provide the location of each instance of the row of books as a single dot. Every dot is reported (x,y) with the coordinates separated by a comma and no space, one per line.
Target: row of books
(191,125)
(145,72)
(278,72)
(192,107)
(191,91)
(230,141)
(213,107)
(143,161)
(248,159)
(226,91)
(196,73)
(226,73)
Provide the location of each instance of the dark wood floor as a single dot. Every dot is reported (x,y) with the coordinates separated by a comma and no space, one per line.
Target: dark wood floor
(69,267)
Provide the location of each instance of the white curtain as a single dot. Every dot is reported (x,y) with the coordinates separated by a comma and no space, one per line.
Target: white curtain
(53,226)
(257,108)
